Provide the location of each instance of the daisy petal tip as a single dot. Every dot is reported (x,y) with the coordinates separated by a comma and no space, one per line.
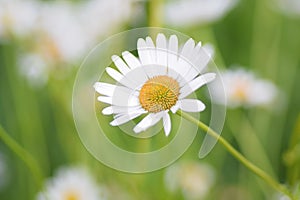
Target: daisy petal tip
(210,76)
(213,75)
(173,36)
(190,40)
(113,123)
(167,133)
(137,130)
(174,109)
(202,108)
(167,130)
(141,41)
(96,85)
(160,35)
(199,44)
(107,111)
(124,53)
(114,58)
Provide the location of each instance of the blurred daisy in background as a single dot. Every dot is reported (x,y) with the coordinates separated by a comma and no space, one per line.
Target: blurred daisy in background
(242,88)
(195,12)
(34,69)
(71,183)
(194,179)
(160,80)
(17,18)
(295,191)
(65,31)
(289,7)
(282,197)
(59,36)
(100,18)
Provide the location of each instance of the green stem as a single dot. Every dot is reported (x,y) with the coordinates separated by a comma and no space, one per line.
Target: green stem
(155,13)
(259,172)
(23,155)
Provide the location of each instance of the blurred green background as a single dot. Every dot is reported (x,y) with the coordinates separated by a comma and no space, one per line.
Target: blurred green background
(35,103)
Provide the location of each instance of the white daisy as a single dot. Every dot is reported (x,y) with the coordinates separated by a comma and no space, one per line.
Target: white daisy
(66,30)
(71,184)
(193,12)
(289,7)
(242,88)
(34,69)
(193,178)
(157,82)
(17,17)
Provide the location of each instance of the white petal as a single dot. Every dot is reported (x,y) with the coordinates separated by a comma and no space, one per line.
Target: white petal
(121,110)
(202,59)
(191,74)
(105,99)
(209,49)
(161,49)
(108,110)
(191,105)
(187,49)
(120,78)
(121,99)
(154,70)
(114,74)
(122,119)
(195,84)
(152,49)
(131,60)
(104,88)
(137,78)
(193,70)
(185,59)
(175,108)
(183,66)
(145,52)
(172,52)
(148,121)
(120,64)
(167,123)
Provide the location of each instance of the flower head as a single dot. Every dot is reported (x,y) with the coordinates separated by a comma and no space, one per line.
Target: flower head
(71,184)
(192,12)
(157,82)
(194,179)
(242,88)
(289,7)
(17,17)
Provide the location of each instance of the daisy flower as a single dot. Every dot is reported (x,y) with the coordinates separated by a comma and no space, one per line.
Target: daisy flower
(71,184)
(17,17)
(158,81)
(193,12)
(289,7)
(194,179)
(33,68)
(242,88)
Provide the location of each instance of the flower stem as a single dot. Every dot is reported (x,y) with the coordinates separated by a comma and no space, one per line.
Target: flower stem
(23,155)
(155,13)
(259,172)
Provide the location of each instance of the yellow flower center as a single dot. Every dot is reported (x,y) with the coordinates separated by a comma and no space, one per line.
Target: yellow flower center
(71,196)
(240,92)
(159,93)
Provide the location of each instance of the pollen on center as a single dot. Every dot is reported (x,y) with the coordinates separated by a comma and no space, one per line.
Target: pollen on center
(71,196)
(159,93)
